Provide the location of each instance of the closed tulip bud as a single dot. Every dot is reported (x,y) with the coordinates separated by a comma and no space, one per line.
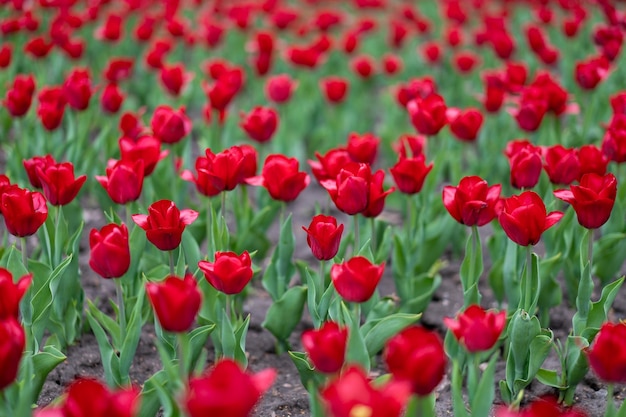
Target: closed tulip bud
(431,52)
(363,66)
(465,62)
(123,181)
(428,115)
(409,174)
(51,107)
(363,148)
(24,212)
(607,355)
(465,124)
(174,78)
(334,89)
(589,74)
(35,163)
(593,199)
(356,279)
(11,294)
(169,125)
(230,273)
(392,64)
(112,98)
(60,186)
(282,178)
(118,69)
(226,391)
(110,251)
(473,202)
(87,397)
(12,344)
(376,195)
(416,355)
(324,236)
(351,394)
(525,162)
(6,52)
(260,124)
(477,330)
(146,149)
(326,347)
(279,88)
(20,96)
(175,301)
(77,89)
(524,218)
(165,223)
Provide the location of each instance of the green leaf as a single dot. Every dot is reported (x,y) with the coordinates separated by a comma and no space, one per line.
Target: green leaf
(383,329)
(305,369)
(485,393)
(356,350)
(191,250)
(472,269)
(227,336)
(43,363)
(197,340)
(600,308)
(583,301)
(284,315)
(457,391)
(550,378)
(240,337)
(133,333)
(384,246)
(281,268)
(110,361)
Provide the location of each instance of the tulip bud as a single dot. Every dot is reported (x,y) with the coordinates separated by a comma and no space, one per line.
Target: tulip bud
(110,251)
(11,294)
(175,302)
(476,329)
(323,237)
(326,347)
(230,273)
(356,279)
(12,344)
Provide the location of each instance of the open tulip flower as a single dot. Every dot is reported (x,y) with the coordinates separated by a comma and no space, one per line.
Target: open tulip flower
(59,184)
(230,272)
(356,279)
(11,293)
(326,347)
(164,224)
(176,302)
(476,329)
(282,178)
(24,211)
(472,202)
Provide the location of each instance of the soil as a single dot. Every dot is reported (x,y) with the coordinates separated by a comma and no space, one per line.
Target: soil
(287,397)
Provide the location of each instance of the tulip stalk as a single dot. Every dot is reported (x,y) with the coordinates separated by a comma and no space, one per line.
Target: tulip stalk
(421,406)
(121,308)
(171,257)
(357,245)
(528,289)
(24,252)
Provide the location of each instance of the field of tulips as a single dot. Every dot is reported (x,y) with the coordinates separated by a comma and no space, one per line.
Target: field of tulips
(354,208)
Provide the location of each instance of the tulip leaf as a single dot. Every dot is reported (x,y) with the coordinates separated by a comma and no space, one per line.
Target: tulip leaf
(170,407)
(511,273)
(379,331)
(356,350)
(550,378)
(110,361)
(191,251)
(181,266)
(197,340)
(107,323)
(484,394)
(583,301)
(312,301)
(284,314)
(227,336)
(472,269)
(608,256)
(281,268)
(133,333)
(383,248)
(458,404)
(305,369)
(422,288)
(240,337)
(600,309)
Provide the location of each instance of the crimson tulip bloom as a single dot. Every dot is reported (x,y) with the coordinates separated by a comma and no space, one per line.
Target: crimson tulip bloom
(409,174)
(614,141)
(145,148)
(363,148)
(465,124)
(525,162)
(416,88)
(110,251)
(543,407)
(11,294)
(24,211)
(226,391)
(592,200)
(334,89)
(279,88)
(351,394)
(428,115)
(326,347)
(473,202)
(561,164)
(260,124)
(165,223)
(20,96)
(123,181)
(89,397)
(118,69)
(607,355)
(59,184)
(410,146)
(591,160)
(416,355)
(51,107)
(112,98)
(323,236)
(174,78)
(230,273)
(169,125)
(524,218)
(35,163)
(77,89)
(281,178)
(12,344)
(356,279)
(328,166)
(175,301)
(590,73)
(476,329)
(219,172)
(6,52)
(363,66)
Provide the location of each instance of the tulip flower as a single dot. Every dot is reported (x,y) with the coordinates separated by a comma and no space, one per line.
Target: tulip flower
(607,355)
(524,218)
(334,89)
(525,162)
(614,141)
(473,202)
(123,181)
(592,200)
(169,125)
(219,172)
(465,124)
(89,397)
(281,178)
(363,66)
(416,355)
(51,107)
(12,293)
(324,236)
(428,115)
(110,251)
(363,148)
(562,165)
(165,223)
(174,78)
(326,347)
(59,184)
(356,279)
(145,148)
(19,97)
(24,211)
(410,146)
(352,394)
(409,174)
(590,73)
(591,160)
(12,344)
(112,98)
(33,164)
(477,330)
(328,166)
(77,89)
(416,88)
(226,391)
(230,273)
(118,69)
(175,301)
(260,124)
(279,88)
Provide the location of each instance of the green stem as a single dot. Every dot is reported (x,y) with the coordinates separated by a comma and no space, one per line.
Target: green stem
(357,245)
(529,285)
(24,252)
(356,309)
(182,357)
(229,307)
(373,234)
(171,256)
(590,249)
(473,375)
(129,216)
(209,228)
(223,211)
(322,282)
(122,310)
(610,403)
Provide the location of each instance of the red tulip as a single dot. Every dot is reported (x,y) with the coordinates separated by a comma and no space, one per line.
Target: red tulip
(51,107)
(279,88)
(592,200)
(614,142)
(110,251)
(607,355)
(12,344)
(431,51)
(281,178)
(112,98)
(219,172)
(222,92)
(464,124)
(416,355)
(532,108)
(477,330)
(59,184)
(334,89)
(226,391)
(465,61)
(20,96)
(416,88)
(618,103)
(410,146)
(392,64)
(591,160)
(363,148)
(525,161)
(77,89)
(91,398)
(111,29)
(590,73)
(118,69)
(356,279)
(323,236)
(328,166)
(495,90)
(6,52)
(175,301)
(260,124)
(146,149)
(561,164)
(174,78)
(553,92)
(409,174)
(123,181)
(543,407)
(24,211)
(326,347)
(230,273)
(35,163)
(428,115)
(38,47)
(350,189)
(473,202)
(11,294)
(363,66)
(524,218)
(165,223)
(169,125)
